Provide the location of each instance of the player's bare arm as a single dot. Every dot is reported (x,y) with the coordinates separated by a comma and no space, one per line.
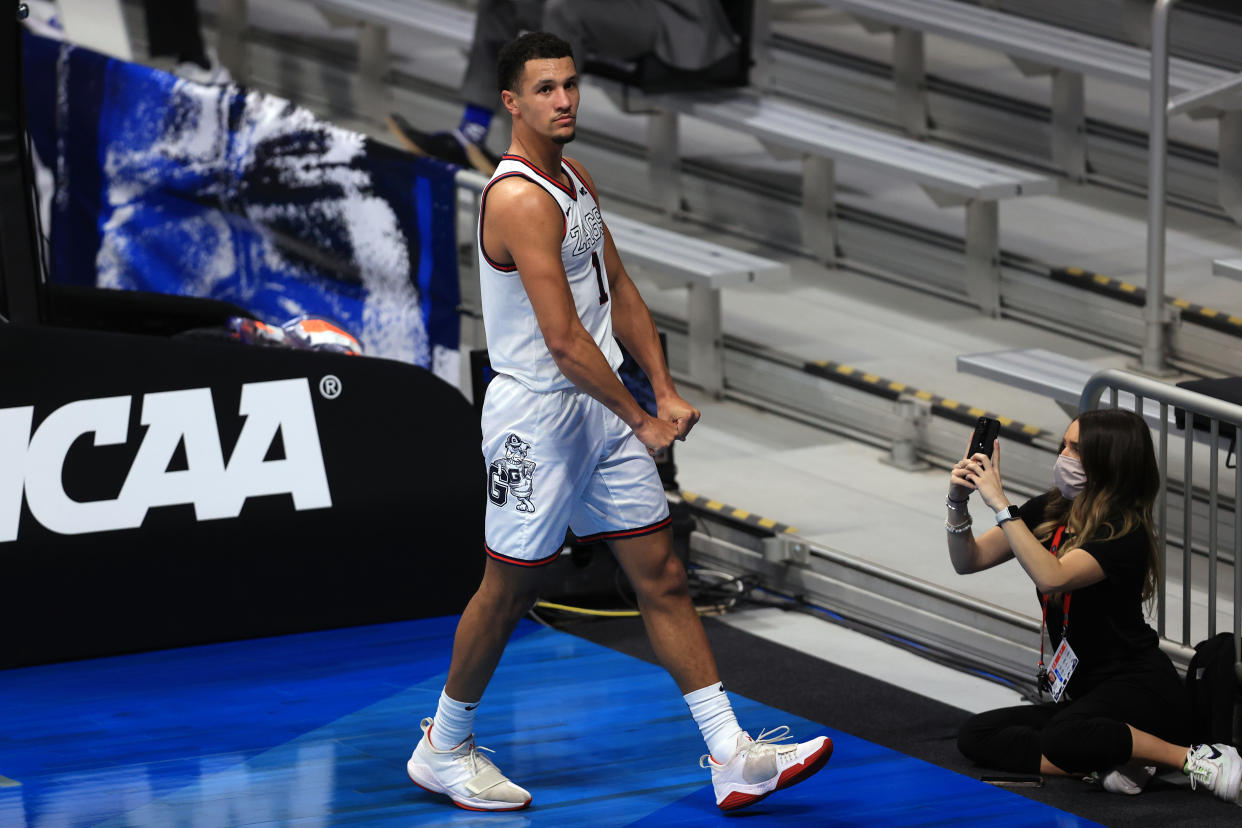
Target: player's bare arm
(633,326)
(523,226)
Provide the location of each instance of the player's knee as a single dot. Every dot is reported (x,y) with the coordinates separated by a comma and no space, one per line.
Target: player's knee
(507,599)
(511,604)
(665,579)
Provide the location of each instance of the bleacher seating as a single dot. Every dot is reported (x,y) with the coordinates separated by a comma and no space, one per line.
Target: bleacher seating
(788,129)
(1037,48)
(1040,371)
(1229,268)
(703,268)
(951,178)
(1056,376)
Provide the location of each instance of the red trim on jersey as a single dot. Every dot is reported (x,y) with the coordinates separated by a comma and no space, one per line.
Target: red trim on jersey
(628,533)
(581,178)
(492,553)
(572,192)
(507,268)
(510,268)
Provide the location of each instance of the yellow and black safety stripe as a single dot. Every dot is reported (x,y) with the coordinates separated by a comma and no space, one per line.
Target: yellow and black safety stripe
(1137,295)
(732,513)
(943,406)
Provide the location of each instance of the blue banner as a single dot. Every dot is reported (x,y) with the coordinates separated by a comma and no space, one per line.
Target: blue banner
(166,185)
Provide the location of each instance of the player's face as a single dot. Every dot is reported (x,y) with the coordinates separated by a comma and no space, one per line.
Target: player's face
(549,97)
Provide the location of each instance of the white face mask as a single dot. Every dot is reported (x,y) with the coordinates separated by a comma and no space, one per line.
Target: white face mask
(1068,476)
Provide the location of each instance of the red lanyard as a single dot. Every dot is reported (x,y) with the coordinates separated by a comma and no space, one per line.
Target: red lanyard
(1065,607)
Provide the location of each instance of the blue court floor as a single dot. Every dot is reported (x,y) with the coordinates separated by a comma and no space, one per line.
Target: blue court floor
(315,729)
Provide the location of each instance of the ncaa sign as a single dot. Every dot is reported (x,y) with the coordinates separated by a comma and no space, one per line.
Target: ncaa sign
(33,461)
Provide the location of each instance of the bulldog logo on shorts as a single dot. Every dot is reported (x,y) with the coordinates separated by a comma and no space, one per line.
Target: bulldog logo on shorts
(513,475)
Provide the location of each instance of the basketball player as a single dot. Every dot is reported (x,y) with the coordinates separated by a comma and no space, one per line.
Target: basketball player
(567,444)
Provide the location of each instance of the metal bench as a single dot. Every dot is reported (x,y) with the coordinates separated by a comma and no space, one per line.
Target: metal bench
(1229,268)
(672,259)
(1043,372)
(439,21)
(790,130)
(1221,100)
(1058,377)
(1036,48)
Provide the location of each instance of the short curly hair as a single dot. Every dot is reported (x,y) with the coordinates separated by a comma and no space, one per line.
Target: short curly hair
(530,46)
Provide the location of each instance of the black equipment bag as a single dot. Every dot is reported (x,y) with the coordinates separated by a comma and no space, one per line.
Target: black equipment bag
(1213,691)
(1228,389)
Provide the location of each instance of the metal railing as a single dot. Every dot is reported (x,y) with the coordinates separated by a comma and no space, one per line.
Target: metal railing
(1209,422)
(1154,357)
(1221,96)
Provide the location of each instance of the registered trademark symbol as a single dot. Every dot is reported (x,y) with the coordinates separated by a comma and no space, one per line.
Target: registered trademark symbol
(330,387)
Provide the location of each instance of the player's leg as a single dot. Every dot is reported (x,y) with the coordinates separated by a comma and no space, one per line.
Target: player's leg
(673,625)
(744,770)
(446,759)
(521,456)
(506,593)
(625,504)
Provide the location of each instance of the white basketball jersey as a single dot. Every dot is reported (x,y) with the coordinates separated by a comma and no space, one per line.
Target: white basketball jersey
(514,342)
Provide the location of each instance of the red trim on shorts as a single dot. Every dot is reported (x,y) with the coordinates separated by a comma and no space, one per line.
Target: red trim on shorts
(572,192)
(628,533)
(492,553)
(581,178)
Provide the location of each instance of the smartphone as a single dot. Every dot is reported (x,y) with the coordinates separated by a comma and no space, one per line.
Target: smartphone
(1014,781)
(986,432)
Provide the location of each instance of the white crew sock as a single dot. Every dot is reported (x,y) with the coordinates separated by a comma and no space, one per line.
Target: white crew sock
(453,722)
(714,715)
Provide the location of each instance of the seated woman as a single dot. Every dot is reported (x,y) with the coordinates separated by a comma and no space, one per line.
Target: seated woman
(1122,708)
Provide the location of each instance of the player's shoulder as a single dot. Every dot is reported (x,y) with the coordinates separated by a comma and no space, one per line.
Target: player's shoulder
(581,171)
(518,192)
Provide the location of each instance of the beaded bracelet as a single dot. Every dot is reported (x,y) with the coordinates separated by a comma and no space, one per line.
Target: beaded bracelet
(959,529)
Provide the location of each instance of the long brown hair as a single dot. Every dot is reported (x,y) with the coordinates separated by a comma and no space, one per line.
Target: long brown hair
(1123,479)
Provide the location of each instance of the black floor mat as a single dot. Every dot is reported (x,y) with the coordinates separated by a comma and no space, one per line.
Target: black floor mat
(925,729)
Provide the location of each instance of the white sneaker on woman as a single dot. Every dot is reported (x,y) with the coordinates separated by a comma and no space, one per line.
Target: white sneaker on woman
(1217,767)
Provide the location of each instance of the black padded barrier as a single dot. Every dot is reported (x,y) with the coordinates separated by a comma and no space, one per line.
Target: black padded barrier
(401,466)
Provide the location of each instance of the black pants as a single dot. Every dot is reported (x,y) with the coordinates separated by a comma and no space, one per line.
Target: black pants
(173,30)
(1086,734)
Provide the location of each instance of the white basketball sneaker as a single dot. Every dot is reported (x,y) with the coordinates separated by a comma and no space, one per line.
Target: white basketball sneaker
(464,775)
(760,766)
(1217,767)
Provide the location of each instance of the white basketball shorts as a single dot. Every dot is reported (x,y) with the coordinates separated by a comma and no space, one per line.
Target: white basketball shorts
(561,459)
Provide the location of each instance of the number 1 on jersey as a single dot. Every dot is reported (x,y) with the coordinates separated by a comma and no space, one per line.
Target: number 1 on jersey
(599,279)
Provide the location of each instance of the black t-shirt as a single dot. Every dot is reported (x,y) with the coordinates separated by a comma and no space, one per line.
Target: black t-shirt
(1106,625)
